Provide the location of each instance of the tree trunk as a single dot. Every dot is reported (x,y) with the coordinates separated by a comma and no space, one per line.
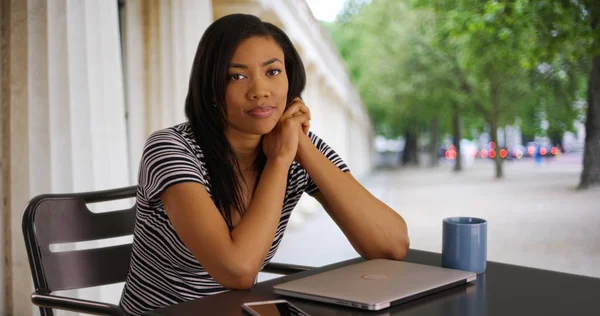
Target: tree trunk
(410,153)
(457,136)
(590,176)
(433,145)
(494,122)
(417,152)
(497,159)
(559,144)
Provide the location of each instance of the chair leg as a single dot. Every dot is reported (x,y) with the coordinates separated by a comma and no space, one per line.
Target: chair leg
(46,311)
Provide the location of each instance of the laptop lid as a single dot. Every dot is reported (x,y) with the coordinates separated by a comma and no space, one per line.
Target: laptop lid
(374,284)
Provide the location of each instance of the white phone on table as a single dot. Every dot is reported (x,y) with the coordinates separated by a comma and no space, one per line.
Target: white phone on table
(273,308)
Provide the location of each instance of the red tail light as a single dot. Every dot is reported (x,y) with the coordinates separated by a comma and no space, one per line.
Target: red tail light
(450,154)
(503,153)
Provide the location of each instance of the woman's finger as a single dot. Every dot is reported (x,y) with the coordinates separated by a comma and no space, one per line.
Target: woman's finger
(306,127)
(291,110)
(299,105)
(299,119)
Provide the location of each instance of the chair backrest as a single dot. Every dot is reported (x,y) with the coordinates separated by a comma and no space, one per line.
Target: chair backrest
(65,218)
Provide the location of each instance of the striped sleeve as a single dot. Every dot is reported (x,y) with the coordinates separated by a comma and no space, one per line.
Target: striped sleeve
(167,159)
(311,188)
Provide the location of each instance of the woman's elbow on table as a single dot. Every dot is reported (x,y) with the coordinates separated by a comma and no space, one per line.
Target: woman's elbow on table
(400,250)
(392,252)
(242,283)
(237,281)
(392,249)
(233,274)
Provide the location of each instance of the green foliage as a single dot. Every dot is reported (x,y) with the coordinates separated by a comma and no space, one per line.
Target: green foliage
(398,75)
(501,62)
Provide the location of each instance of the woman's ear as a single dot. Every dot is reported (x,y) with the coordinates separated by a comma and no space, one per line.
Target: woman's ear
(214,103)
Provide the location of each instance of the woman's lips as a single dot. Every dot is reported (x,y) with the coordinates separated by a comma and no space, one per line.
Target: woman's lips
(261,112)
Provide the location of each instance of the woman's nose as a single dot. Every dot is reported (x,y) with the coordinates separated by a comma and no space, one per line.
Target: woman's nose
(259,89)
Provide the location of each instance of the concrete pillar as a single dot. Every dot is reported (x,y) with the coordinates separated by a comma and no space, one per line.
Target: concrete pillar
(161,37)
(132,26)
(59,83)
(4,175)
(15,67)
(63,116)
(311,96)
(225,7)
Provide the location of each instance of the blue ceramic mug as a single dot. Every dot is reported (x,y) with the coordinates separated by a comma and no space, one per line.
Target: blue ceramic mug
(464,244)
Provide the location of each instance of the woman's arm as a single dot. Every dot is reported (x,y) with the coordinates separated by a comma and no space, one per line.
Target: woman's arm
(232,259)
(372,227)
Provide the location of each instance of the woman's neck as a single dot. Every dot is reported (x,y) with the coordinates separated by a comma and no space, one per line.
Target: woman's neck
(245,147)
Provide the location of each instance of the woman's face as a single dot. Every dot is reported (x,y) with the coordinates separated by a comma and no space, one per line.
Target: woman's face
(257,86)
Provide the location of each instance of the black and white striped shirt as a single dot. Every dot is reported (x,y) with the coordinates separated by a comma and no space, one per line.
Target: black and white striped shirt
(163,271)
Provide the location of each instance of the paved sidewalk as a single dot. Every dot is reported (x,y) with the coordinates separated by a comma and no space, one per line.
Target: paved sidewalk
(535,216)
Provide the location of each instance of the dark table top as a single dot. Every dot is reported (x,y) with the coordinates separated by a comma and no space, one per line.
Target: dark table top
(502,290)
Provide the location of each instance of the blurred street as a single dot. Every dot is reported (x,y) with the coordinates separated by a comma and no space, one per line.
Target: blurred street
(535,216)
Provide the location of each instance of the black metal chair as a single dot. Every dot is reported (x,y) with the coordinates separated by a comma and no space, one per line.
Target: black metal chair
(65,218)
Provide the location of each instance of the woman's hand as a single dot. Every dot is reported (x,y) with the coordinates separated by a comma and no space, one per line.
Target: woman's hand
(303,109)
(304,142)
(282,141)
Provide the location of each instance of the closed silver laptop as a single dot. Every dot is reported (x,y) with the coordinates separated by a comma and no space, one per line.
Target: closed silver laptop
(375,284)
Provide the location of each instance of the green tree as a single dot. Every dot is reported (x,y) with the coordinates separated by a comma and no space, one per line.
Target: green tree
(570,30)
(489,41)
(556,89)
(547,39)
(457,65)
(401,78)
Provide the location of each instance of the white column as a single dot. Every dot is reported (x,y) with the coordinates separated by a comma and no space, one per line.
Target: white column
(222,8)
(79,95)
(17,88)
(38,112)
(165,52)
(152,52)
(341,142)
(323,119)
(4,184)
(63,88)
(330,131)
(160,45)
(312,98)
(135,83)
(106,98)
(97,106)
(59,98)
(190,19)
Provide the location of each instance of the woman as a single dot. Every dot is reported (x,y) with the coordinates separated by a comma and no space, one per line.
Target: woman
(215,193)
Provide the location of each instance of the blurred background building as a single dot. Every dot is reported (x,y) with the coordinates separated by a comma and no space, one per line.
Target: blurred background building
(85,82)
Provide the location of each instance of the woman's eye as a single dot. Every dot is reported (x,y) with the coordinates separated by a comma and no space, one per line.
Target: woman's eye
(237,77)
(273,72)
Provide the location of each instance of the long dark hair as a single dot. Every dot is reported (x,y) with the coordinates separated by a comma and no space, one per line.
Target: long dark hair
(205,103)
